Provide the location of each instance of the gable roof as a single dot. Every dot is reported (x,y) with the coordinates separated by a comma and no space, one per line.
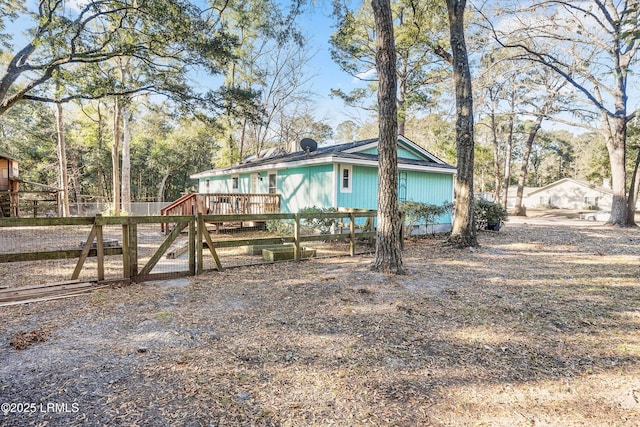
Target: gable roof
(574,182)
(350,153)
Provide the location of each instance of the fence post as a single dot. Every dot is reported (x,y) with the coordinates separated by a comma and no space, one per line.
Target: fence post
(352,234)
(130,249)
(296,238)
(199,246)
(401,231)
(99,246)
(192,246)
(126,251)
(133,242)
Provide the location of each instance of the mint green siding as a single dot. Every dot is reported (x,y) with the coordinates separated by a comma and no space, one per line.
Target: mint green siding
(305,187)
(432,188)
(364,189)
(320,186)
(223,184)
(424,187)
(402,152)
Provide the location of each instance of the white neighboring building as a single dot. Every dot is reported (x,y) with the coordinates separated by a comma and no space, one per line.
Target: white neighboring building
(569,193)
(512,193)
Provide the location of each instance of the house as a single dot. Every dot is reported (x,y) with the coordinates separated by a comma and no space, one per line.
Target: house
(568,193)
(343,176)
(512,193)
(9,185)
(19,197)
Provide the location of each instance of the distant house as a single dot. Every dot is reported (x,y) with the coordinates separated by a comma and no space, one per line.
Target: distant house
(569,193)
(512,193)
(343,176)
(9,185)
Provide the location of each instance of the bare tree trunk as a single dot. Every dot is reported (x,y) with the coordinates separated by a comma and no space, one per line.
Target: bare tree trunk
(507,162)
(496,158)
(75,182)
(617,157)
(634,187)
(63,181)
(100,177)
(126,158)
(464,231)
(115,156)
(522,176)
(402,106)
(163,183)
(388,245)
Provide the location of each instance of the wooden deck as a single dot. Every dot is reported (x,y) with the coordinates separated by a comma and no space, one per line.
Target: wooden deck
(223,204)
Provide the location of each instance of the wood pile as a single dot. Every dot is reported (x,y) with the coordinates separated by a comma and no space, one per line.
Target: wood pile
(47,292)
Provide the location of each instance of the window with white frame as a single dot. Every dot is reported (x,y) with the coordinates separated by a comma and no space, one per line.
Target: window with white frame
(273,183)
(346,179)
(235,183)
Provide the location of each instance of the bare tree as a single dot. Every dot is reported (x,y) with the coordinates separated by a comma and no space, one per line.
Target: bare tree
(593,45)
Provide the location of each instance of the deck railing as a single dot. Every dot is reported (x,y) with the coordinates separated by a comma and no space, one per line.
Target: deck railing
(223,204)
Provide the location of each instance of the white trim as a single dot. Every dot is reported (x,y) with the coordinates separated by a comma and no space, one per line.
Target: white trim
(275,173)
(349,169)
(361,148)
(334,185)
(408,145)
(319,161)
(415,147)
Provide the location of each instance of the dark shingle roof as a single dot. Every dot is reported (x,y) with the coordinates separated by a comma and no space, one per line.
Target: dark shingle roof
(336,151)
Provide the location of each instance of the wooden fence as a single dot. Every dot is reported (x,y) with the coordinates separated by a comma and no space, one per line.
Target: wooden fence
(198,238)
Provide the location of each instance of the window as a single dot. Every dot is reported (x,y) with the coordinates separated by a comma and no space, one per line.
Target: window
(5,173)
(235,182)
(345,179)
(273,183)
(207,185)
(591,201)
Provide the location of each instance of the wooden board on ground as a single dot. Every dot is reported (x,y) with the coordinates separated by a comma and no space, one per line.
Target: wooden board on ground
(45,292)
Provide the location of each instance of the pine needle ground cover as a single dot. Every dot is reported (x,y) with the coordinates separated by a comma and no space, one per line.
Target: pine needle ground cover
(538,326)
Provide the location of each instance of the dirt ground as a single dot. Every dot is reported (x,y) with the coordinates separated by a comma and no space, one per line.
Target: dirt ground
(540,326)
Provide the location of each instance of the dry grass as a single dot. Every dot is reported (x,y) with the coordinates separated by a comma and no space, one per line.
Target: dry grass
(540,326)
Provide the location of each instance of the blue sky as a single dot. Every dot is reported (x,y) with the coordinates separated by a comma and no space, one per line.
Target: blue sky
(318,25)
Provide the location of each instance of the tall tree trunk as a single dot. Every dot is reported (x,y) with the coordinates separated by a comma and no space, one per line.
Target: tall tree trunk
(126,158)
(63,181)
(617,156)
(464,231)
(161,186)
(634,187)
(75,183)
(402,105)
(388,245)
(496,158)
(100,173)
(522,176)
(115,156)
(507,162)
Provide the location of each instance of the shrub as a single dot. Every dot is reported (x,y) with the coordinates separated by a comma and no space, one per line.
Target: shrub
(279,226)
(322,224)
(417,212)
(489,215)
